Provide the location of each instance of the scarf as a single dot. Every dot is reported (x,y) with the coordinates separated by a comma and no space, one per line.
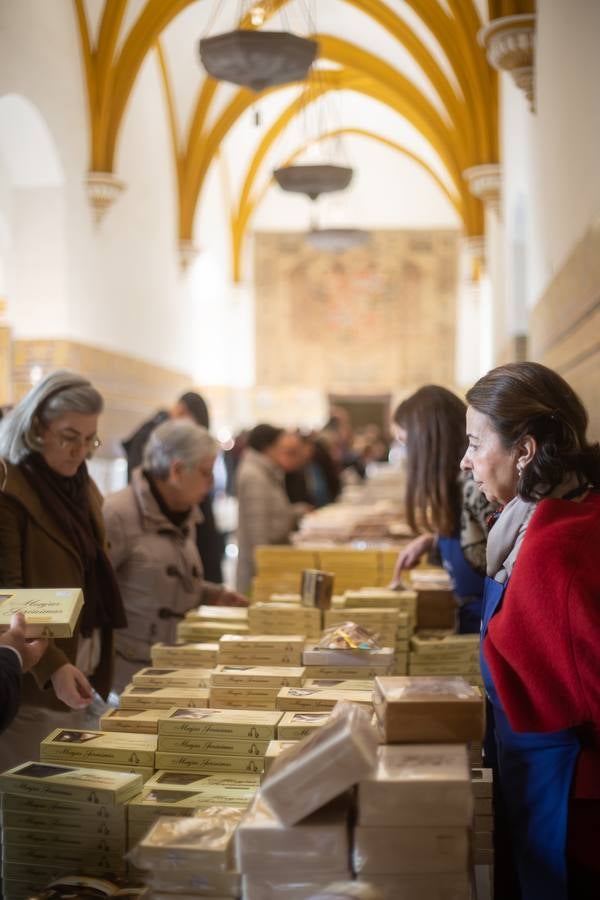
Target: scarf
(509,529)
(67,499)
(176,518)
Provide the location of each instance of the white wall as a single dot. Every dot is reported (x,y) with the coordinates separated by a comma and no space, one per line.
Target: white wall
(567,151)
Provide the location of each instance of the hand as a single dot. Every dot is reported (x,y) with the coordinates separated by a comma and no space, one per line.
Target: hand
(72,687)
(409,557)
(31,651)
(231,598)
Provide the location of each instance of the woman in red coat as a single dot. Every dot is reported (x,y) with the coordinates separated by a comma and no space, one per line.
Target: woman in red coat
(541,622)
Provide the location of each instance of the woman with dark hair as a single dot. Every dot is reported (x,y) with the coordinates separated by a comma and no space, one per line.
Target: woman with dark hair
(52,536)
(265,514)
(541,622)
(441,499)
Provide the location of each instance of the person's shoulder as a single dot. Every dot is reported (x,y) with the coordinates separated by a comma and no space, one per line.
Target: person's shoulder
(565,533)
(121,502)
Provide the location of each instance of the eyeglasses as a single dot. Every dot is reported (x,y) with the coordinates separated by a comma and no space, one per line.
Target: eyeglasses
(76,442)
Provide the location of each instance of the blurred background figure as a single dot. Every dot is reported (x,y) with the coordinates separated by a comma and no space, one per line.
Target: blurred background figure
(52,535)
(210,542)
(17,655)
(441,501)
(151,527)
(265,514)
(317,480)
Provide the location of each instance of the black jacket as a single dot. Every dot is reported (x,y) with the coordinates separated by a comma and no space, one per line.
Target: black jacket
(10,686)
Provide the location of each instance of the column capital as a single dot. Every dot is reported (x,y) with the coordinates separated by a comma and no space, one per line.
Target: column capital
(485,182)
(510,45)
(103,188)
(187,254)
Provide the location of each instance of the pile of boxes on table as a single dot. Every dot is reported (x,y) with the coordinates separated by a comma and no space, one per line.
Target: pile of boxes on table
(415,814)
(59,819)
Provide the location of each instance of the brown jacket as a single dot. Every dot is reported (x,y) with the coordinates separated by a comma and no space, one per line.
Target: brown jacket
(35,552)
(158,568)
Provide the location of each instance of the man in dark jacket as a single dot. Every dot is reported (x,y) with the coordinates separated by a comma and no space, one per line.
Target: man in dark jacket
(17,655)
(210,542)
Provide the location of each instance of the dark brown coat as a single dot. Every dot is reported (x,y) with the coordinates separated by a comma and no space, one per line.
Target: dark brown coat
(35,552)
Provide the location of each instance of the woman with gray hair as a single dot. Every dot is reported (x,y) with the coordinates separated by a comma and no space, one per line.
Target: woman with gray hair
(151,527)
(52,536)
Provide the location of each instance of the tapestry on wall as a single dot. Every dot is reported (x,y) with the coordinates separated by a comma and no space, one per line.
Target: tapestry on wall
(381,316)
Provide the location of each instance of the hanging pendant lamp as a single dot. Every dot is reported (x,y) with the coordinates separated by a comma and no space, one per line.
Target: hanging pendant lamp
(313,179)
(337,240)
(258,59)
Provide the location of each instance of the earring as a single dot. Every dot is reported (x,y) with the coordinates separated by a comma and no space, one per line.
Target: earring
(520,468)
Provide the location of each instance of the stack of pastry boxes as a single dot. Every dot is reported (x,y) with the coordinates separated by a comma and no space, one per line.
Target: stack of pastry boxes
(295,838)
(392,615)
(434,652)
(415,813)
(209,623)
(59,819)
(192,856)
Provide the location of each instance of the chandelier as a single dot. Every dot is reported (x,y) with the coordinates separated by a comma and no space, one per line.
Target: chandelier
(336,240)
(254,58)
(313,178)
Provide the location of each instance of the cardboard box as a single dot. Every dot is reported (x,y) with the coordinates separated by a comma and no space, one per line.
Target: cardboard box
(54,782)
(49,612)
(484,806)
(302,885)
(98,747)
(345,672)
(157,801)
(483,823)
(323,765)
(97,861)
(185,655)
(410,850)
(428,710)
(483,840)
(259,676)
(143,771)
(339,684)
(208,613)
(315,699)
(355,659)
(207,746)
(260,649)
(274,751)
(199,632)
(482,783)
(163,698)
(319,843)
(207,885)
(61,824)
(274,618)
(203,843)
(172,677)
(138,721)
(441,886)
(65,810)
(418,785)
(297,725)
(252,697)
(76,842)
(208,784)
(237,724)
(195,762)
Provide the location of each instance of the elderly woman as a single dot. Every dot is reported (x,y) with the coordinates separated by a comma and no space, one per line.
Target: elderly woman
(52,536)
(528,450)
(151,527)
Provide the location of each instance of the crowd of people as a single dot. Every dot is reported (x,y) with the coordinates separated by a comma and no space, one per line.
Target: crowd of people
(505,489)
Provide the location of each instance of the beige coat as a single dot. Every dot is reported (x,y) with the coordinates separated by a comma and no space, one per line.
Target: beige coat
(159,572)
(265,515)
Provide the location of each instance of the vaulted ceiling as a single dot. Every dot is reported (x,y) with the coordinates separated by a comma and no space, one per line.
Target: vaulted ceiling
(420,59)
